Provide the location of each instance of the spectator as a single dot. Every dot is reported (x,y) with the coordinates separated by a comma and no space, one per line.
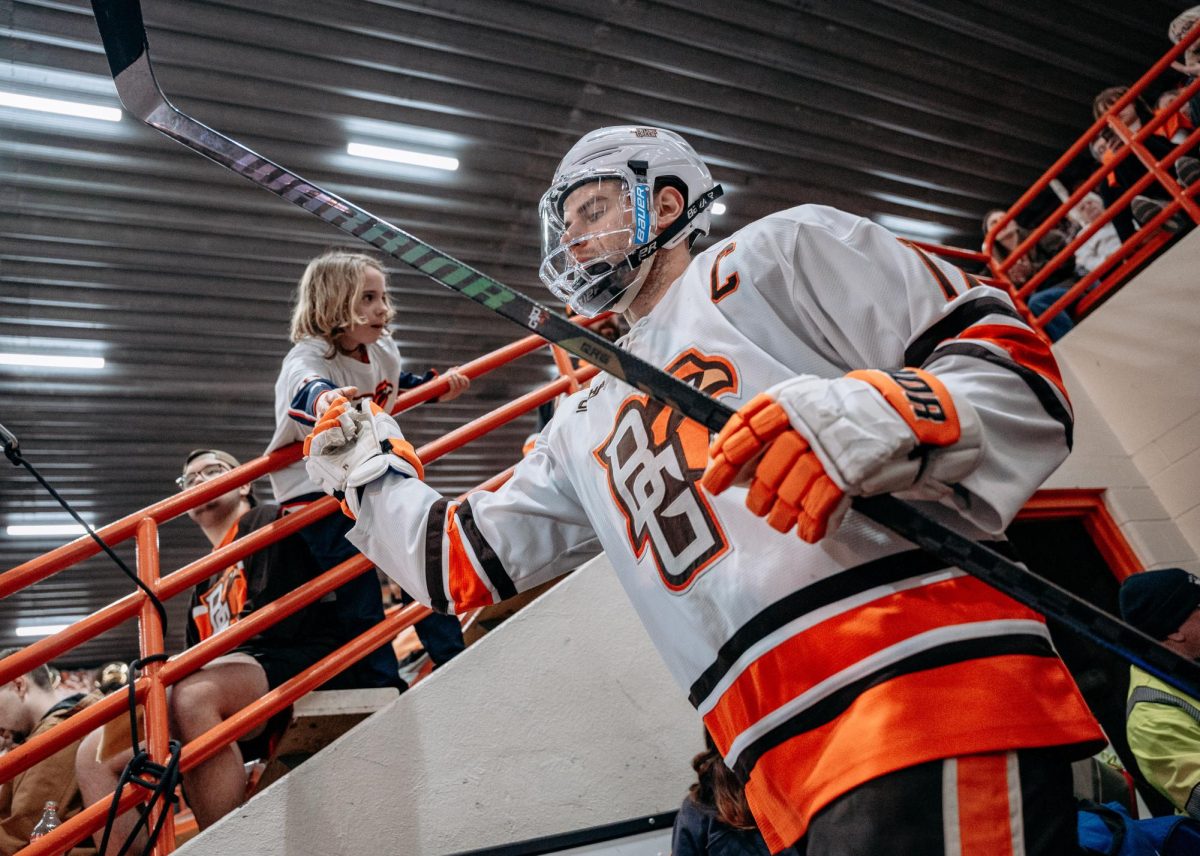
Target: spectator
(1179,29)
(1034,259)
(32,704)
(1096,249)
(230,682)
(1176,126)
(341,345)
(113,676)
(1146,205)
(714,819)
(1163,723)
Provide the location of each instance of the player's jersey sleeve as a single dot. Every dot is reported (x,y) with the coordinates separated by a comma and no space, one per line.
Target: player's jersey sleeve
(302,378)
(456,556)
(884,303)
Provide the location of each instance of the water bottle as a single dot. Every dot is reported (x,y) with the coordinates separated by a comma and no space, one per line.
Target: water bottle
(48,822)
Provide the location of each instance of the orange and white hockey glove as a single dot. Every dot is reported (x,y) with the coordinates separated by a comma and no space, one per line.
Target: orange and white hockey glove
(809,443)
(352,446)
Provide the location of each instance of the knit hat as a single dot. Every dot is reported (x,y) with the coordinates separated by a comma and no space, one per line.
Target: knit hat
(1158,602)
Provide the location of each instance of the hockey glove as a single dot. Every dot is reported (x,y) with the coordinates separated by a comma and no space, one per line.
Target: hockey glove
(812,442)
(352,446)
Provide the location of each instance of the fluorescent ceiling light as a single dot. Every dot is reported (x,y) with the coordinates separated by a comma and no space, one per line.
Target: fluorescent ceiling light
(63,108)
(718,208)
(908,227)
(54,361)
(43,530)
(41,629)
(363,150)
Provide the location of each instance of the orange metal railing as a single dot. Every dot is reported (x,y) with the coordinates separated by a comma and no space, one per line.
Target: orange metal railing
(1091,289)
(151,687)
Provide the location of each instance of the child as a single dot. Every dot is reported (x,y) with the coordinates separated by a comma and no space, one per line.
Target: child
(342,345)
(715,819)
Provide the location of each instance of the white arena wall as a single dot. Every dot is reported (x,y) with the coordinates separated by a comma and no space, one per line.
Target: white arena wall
(1133,371)
(562,718)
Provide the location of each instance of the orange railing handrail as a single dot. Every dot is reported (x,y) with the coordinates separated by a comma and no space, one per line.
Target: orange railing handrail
(1145,241)
(84,547)
(32,751)
(143,525)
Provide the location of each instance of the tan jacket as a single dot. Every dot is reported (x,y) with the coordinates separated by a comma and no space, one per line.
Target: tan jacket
(22,799)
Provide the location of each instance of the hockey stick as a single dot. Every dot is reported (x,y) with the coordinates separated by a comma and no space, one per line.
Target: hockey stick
(125,43)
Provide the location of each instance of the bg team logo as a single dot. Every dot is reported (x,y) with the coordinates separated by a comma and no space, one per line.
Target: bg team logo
(654,458)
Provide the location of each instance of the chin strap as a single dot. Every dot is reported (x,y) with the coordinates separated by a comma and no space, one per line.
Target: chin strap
(703,203)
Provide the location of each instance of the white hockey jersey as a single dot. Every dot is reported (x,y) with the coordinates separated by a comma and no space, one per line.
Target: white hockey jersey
(816,667)
(309,361)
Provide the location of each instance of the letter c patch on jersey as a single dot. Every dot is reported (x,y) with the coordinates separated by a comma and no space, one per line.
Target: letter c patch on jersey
(654,459)
(722,287)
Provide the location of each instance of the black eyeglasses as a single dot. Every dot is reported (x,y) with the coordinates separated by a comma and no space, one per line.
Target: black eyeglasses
(203,474)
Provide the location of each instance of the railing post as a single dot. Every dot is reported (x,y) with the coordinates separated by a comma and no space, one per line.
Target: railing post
(150,640)
(562,361)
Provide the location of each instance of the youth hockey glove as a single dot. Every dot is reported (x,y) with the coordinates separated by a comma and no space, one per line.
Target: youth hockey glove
(352,446)
(812,442)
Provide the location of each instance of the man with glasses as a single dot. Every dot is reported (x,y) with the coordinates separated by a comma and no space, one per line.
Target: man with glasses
(233,680)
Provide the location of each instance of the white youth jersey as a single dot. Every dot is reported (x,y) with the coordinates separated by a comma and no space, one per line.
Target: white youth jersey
(753,623)
(306,362)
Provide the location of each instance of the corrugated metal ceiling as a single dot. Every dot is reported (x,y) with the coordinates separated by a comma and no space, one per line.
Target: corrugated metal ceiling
(118,243)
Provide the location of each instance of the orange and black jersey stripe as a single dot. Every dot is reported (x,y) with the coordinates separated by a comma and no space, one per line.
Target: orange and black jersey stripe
(1013,346)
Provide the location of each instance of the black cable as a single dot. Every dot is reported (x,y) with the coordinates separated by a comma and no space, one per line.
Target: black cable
(12,451)
(160,780)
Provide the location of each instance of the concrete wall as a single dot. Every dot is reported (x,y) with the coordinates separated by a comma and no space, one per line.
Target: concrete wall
(1133,370)
(561,719)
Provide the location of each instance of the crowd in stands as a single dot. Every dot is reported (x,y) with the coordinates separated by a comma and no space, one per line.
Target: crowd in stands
(1125,218)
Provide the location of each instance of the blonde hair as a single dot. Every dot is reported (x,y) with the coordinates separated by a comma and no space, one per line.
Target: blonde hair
(1180,27)
(1183,24)
(329,291)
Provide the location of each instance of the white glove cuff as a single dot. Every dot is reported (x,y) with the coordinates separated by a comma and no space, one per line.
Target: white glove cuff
(369,471)
(865,445)
(946,466)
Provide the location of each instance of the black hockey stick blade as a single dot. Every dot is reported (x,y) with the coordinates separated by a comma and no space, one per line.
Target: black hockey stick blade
(125,43)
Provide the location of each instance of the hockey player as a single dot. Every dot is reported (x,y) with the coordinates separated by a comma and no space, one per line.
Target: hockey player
(872,699)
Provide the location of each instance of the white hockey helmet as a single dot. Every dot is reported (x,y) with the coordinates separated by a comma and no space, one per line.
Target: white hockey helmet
(599,228)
